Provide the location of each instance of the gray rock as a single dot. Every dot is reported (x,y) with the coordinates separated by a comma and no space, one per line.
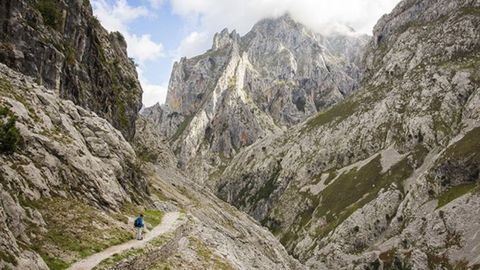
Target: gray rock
(69,51)
(245,88)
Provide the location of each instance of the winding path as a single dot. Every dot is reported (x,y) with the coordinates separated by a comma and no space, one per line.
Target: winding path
(168,224)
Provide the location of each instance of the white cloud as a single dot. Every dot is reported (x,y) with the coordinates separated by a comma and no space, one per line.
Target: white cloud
(152,93)
(117,16)
(193,44)
(142,48)
(156,3)
(214,15)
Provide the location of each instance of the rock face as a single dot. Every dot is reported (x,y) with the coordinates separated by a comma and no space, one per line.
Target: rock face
(65,151)
(388,178)
(246,88)
(77,164)
(64,46)
(214,235)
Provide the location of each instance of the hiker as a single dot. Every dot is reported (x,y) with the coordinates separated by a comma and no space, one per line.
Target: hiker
(138,223)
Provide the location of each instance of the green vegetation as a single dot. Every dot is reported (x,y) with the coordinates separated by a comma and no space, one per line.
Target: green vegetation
(70,53)
(454,193)
(154,217)
(209,259)
(269,187)
(470,11)
(8,258)
(86,3)
(51,13)
(337,113)
(466,148)
(442,262)
(356,187)
(116,258)
(151,217)
(131,253)
(55,263)
(9,134)
(73,230)
(146,154)
(182,127)
(232,82)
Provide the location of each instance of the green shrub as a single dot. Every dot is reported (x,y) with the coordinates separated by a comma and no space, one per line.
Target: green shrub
(51,13)
(9,134)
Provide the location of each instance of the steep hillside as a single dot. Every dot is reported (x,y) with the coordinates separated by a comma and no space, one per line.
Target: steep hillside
(390,176)
(69,182)
(64,46)
(60,165)
(246,88)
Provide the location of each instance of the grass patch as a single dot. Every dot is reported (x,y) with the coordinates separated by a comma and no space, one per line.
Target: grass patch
(9,135)
(118,257)
(73,229)
(51,13)
(337,113)
(154,217)
(181,128)
(269,187)
(146,154)
(70,53)
(454,193)
(209,259)
(466,148)
(7,257)
(356,188)
(151,217)
(55,263)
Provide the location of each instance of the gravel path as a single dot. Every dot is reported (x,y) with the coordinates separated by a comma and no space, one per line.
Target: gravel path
(168,224)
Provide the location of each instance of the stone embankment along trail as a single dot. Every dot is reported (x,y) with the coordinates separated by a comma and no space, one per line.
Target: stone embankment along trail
(169,223)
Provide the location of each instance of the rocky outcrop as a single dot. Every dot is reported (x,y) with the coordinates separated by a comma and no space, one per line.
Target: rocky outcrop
(65,48)
(214,235)
(388,177)
(72,176)
(65,152)
(246,88)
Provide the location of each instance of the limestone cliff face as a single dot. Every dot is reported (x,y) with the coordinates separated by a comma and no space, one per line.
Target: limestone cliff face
(246,88)
(67,187)
(65,153)
(388,177)
(64,46)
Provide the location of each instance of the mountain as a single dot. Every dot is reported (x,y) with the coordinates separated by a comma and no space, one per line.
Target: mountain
(65,48)
(389,177)
(70,181)
(245,88)
(61,158)
(77,163)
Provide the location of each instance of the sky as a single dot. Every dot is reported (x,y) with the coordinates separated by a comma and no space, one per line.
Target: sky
(160,32)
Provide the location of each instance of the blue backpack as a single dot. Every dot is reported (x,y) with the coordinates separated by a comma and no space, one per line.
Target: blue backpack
(136,223)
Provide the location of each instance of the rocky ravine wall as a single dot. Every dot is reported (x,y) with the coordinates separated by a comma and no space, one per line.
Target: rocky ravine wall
(247,87)
(66,153)
(389,177)
(64,46)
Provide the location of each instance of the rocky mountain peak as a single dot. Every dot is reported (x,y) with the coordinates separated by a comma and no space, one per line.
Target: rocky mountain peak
(247,87)
(384,178)
(224,38)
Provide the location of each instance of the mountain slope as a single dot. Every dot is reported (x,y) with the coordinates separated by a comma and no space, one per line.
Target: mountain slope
(390,175)
(248,87)
(62,166)
(69,182)
(64,46)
